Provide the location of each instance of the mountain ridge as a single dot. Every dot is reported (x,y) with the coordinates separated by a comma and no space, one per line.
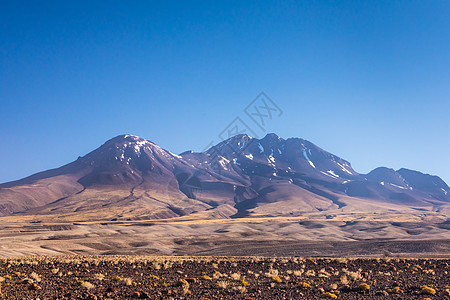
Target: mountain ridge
(240,176)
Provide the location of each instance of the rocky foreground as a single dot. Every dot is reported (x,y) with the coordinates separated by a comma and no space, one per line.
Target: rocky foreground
(145,277)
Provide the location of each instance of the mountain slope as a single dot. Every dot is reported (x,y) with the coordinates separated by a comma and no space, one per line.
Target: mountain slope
(129,178)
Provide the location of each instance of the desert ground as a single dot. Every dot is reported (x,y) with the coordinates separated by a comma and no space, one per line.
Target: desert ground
(315,234)
(152,277)
(395,255)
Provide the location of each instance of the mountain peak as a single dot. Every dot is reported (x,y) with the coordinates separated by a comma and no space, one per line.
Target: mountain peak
(272,137)
(419,180)
(238,138)
(125,137)
(384,175)
(129,140)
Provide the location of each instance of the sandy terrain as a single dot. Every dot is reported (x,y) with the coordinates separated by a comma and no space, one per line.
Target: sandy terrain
(312,235)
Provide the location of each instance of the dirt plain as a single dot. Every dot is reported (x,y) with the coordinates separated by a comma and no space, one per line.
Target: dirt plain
(312,235)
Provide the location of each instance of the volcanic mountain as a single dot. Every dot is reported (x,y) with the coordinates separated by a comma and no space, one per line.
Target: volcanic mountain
(130,178)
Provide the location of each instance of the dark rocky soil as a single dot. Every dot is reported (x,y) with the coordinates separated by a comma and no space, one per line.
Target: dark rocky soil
(139,277)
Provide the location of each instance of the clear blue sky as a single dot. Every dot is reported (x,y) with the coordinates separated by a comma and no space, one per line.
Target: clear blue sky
(366,80)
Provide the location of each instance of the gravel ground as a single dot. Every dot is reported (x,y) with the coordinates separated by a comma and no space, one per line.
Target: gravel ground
(141,277)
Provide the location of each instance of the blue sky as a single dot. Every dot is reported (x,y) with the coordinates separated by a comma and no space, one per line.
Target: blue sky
(365,80)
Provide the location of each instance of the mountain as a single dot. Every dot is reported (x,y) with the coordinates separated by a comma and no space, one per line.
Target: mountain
(130,178)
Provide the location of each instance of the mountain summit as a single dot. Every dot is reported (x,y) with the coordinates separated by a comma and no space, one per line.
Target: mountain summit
(133,178)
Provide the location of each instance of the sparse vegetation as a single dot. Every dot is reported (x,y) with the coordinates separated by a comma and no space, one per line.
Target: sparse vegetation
(426,290)
(124,277)
(364,287)
(87,285)
(329,295)
(277,279)
(99,276)
(304,285)
(35,277)
(222,284)
(117,278)
(127,281)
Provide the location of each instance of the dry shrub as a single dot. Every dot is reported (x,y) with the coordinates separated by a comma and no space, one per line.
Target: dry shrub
(99,276)
(426,290)
(87,285)
(127,281)
(35,276)
(277,279)
(272,272)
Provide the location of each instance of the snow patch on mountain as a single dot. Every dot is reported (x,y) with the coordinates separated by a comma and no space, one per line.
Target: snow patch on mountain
(177,156)
(330,174)
(343,168)
(397,186)
(307,158)
(223,162)
(261,148)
